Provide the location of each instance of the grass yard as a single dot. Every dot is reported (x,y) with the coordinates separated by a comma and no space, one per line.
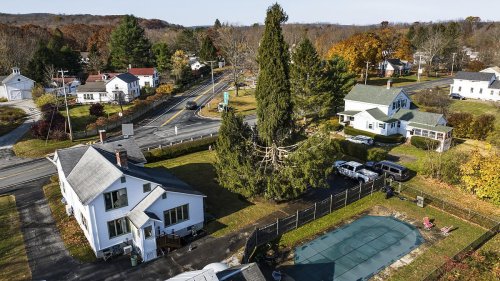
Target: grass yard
(399,81)
(80,116)
(244,103)
(433,255)
(10,118)
(71,233)
(476,107)
(13,260)
(34,148)
(231,212)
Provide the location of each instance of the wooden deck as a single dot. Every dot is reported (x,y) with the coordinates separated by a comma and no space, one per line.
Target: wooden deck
(168,241)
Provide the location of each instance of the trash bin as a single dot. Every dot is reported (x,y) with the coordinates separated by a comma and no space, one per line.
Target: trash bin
(133,260)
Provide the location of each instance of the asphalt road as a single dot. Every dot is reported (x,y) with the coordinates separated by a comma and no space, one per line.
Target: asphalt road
(14,177)
(427,85)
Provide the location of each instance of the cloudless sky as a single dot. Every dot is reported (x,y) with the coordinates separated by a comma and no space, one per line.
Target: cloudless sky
(204,12)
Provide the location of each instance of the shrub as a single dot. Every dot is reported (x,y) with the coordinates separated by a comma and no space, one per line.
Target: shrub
(40,129)
(4,100)
(101,122)
(332,125)
(165,89)
(37,92)
(179,149)
(461,123)
(424,143)
(396,138)
(444,166)
(376,154)
(91,127)
(96,109)
(437,100)
(58,135)
(482,126)
(356,150)
(45,99)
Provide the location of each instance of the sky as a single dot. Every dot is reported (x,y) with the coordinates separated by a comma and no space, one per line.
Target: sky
(204,12)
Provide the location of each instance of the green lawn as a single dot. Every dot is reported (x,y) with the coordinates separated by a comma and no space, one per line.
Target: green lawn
(10,118)
(35,148)
(231,212)
(399,81)
(476,107)
(71,233)
(13,260)
(80,116)
(433,255)
(244,103)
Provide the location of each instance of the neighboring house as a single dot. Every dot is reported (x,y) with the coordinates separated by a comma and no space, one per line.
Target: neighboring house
(221,272)
(119,203)
(123,87)
(71,83)
(195,64)
(16,86)
(101,77)
(147,76)
(386,111)
(469,52)
(493,69)
(84,58)
(391,67)
(476,85)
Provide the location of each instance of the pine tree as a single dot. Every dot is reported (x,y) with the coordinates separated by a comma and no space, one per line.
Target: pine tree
(129,45)
(274,106)
(162,56)
(217,24)
(306,80)
(339,82)
(208,52)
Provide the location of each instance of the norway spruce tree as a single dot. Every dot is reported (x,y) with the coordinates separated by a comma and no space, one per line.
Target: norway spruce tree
(129,45)
(339,82)
(274,105)
(307,80)
(208,52)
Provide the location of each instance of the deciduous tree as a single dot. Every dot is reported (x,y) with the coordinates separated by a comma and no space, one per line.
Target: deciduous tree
(480,175)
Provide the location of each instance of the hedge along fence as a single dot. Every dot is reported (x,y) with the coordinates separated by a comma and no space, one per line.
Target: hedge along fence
(397,138)
(123,120)
(424,143)
(361,151)
(179,149)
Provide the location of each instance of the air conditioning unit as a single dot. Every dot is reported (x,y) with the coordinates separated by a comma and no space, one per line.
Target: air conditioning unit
(127,250)
(69,210)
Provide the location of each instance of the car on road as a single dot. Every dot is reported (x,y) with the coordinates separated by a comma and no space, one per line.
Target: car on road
(392,170)
(191,105)
(455,96)
(361,139)
(354,170)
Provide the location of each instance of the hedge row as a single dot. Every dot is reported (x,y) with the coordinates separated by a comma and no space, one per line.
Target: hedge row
(180,149)
(397,138)
(361,151)
(424,143)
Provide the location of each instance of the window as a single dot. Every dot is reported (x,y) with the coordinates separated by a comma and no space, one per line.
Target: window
(102,95)
(460,88)
(148,232)
(164,195)
(439,136)
(472,90)
(88,96)
(370,126)
(118,227)
(176,215)
(432,135)
(146,84)
(84,220)
(399,124)
(480,90)
(393,105)
(116,199)
(381,125)
(491,93)
(146,187)
(425,133)
(123,179)
(418,132)
(351,118)
(392,125)
(393,170)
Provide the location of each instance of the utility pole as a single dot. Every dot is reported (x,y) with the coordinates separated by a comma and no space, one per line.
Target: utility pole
(66,102)
(212,68)
(418,71)
(453,63)
(366,74)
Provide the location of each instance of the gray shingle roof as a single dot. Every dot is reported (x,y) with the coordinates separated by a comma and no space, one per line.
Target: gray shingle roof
(397,62)
(373,94)
(476,76)
(495,85)
(380,116)
(127,77)
(69,157)
(415,116)
(134,152)
(438,128)
(138,215)
(98,86)
(244,272)
(349,112)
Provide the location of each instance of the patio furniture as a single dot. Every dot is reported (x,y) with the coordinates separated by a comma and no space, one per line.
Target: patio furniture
(446,230)
(427,223)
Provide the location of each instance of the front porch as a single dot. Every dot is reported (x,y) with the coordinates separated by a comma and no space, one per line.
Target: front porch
(440,133)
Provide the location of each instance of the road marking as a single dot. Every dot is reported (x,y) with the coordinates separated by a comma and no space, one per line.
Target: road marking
(16,174)
(196,99)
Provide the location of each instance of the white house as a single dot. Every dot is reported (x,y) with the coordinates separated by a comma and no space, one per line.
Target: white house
(118,203)
(386,111)
(195,64)
(16,86)
(122,87)
(476,85)
(147,76)
(391,67)
(493,69)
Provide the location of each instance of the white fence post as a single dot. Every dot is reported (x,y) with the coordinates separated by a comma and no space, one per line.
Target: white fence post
(331,202)
(360,184)
(297,220)
(345,202)
(314,216)
(371,192)
(277,226)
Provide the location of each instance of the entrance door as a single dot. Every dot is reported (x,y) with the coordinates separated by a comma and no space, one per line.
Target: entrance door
(16,95)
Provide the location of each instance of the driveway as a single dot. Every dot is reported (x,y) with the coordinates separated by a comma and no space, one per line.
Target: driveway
(8,140)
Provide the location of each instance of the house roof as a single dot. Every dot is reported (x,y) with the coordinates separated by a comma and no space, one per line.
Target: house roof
(349,112)
(495,85)
(244,272)
(134,152)
(476,76)
(397,62)
(438,128)
(142,71)
(98,86)
(493,68)
(373,94)
(415,116)
(126,77)
(138,215)
(6,79)
(379,115)
(98,77)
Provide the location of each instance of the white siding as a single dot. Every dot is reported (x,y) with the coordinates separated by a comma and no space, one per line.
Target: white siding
(363,120)
(95,97)
(18,87)
(394,105)
(130,90)
(472,90)
(360,106)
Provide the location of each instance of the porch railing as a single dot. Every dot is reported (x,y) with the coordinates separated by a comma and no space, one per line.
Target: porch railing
(168,241)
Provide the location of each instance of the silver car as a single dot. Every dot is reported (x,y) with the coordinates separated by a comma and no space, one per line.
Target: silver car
(361,139)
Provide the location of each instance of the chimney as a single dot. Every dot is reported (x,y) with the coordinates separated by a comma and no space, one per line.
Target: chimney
(389,82)
(102,135)
(121,158)
(129,66)
(15,70)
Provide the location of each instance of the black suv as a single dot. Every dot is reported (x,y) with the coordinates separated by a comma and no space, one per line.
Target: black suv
(394,171)
(191,105)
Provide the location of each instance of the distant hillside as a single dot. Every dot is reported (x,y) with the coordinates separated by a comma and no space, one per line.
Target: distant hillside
(54,20)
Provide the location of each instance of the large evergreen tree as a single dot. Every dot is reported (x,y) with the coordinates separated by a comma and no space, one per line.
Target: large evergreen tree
(274,105)
(162,56)
(208,52)
(339,81)
(306,80)
(129,45)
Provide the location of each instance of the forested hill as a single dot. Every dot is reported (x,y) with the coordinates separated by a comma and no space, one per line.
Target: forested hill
(57,20)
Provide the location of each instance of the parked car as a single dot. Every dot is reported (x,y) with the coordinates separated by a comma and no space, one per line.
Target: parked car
(392,170)
(354,170)
(456,96)
(361,139)
(191,105)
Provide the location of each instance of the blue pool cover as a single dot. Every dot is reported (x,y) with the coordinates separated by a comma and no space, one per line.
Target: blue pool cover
(356,251)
